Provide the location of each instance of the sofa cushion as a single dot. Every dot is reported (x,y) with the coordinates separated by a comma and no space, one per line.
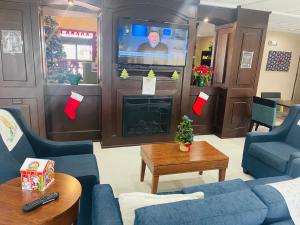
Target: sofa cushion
(76,165)
(274,154)
(238,208)
(218,188)
(267,180)
(129,202)
(277,208)
(9,167)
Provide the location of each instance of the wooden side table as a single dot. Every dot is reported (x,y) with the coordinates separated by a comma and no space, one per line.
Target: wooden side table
(163,159)
(62,211)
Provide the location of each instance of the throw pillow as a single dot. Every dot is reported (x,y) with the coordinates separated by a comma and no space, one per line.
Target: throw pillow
(129,202)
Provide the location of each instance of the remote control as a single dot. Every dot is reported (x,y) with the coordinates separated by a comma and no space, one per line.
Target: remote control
(41,201)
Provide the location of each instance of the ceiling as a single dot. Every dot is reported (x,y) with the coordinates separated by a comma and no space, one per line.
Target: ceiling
(285,13)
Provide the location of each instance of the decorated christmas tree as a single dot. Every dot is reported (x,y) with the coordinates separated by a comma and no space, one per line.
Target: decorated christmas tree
(55,55)
(124,74)
(151,74)
(175,75)
(184,134)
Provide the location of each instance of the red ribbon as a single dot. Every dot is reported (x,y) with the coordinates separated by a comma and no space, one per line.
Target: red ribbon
(188,147)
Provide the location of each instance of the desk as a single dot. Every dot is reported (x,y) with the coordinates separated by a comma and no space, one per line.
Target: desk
(62,211)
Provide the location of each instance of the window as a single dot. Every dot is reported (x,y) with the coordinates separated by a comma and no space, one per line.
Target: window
(78,52)
(84,53)
(70,51)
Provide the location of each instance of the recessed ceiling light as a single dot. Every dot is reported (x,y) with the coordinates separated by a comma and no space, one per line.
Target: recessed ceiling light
(70,2)
(206,20)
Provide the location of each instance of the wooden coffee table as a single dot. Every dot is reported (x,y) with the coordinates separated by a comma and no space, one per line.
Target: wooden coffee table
(62,211)
(163,159)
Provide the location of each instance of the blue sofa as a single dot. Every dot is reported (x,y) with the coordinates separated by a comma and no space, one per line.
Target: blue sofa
(232,202)
(271,154)
(73,158)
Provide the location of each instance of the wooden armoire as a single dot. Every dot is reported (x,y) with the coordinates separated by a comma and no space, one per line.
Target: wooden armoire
(21,73)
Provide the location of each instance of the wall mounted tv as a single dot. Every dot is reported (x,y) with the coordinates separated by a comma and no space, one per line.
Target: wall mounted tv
(147,43)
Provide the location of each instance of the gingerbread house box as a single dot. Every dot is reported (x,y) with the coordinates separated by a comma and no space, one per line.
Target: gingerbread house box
(37,174)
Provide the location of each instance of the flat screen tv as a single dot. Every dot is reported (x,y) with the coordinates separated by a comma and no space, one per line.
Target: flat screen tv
(148,43)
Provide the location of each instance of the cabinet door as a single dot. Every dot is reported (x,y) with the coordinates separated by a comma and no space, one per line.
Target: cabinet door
(251,42)
(222,53)
(28,109)
(16,58)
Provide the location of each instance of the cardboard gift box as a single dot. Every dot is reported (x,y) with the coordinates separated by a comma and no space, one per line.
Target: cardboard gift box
(37,174)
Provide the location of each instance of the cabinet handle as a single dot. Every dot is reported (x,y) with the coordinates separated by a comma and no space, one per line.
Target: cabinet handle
(17,101)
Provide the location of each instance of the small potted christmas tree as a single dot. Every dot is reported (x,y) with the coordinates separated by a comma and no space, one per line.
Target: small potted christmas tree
(184,135)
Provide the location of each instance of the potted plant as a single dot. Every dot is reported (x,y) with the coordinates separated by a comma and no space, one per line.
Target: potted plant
(184,135)
(74,78)
(73,75)
(203,74)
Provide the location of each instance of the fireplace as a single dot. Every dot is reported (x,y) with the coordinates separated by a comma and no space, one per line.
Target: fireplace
(146,115)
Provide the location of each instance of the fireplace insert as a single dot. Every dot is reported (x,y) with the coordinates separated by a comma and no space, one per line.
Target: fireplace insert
(148,115)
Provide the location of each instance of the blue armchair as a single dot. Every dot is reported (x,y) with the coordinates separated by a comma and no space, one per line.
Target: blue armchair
(73,158)
(271,154)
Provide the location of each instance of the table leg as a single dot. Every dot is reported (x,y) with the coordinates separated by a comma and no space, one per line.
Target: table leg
(200,172)
(222,173)
(143,168)
(155,180)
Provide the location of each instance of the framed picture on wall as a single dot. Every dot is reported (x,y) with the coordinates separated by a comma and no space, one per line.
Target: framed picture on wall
(279,61)
(247,58)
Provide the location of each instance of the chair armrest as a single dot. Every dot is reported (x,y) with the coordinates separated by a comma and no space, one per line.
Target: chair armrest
(105,207)
(294,168)
(46,148)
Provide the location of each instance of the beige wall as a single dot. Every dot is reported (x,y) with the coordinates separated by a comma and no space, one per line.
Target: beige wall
(280,81)
(202,44)
(77,23)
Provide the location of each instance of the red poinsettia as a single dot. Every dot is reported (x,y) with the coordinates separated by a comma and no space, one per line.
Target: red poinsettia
(203,73)
(203,70)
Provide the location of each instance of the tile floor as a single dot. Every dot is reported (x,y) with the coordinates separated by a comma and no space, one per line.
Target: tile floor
(120,167)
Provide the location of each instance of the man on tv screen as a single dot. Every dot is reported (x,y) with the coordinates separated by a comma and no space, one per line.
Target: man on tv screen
(154,44)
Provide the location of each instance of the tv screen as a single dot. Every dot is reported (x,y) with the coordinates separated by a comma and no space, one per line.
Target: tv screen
(141,42)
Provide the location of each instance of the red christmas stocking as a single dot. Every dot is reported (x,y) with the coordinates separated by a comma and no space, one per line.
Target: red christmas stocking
(199,103)
(72,105)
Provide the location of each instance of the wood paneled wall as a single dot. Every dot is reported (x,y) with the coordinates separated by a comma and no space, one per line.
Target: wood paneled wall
(227,112)
(21,75)
(114,88)
(248,33)
(87,124)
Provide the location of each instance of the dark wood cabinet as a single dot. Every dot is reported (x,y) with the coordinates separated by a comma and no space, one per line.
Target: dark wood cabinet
(21,75)
(114,88)
(238,83)
(28,107)
(17,69)
(87,124)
